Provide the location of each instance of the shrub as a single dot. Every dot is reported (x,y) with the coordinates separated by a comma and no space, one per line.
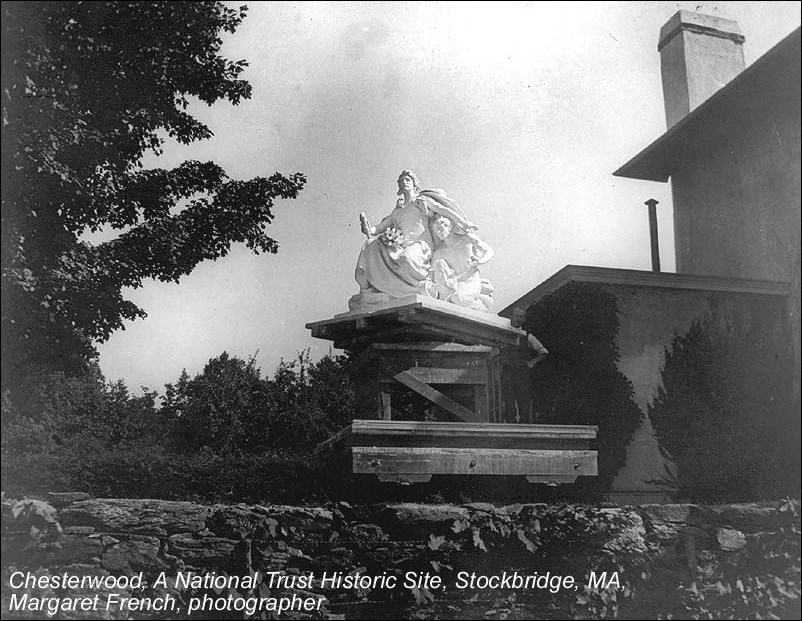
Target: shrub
(725,414)
(227,434)
(579,383)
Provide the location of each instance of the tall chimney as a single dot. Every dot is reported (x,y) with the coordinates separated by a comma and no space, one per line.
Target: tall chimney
(698,55)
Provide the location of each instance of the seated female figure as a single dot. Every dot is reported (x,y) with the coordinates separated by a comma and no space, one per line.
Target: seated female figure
(395,259)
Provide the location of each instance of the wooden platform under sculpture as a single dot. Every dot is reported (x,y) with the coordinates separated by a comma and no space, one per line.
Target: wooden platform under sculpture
(436,400)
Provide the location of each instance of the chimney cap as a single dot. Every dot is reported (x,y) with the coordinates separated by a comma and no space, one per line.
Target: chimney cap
(702,24)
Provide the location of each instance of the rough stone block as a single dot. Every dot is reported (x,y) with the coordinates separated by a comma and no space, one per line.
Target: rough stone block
(672,514)
(136,554)
(122,515)
(749,517)
(79,530)
(364,536)
(629,533)
(240,522)
(62,499)
(68,550)
(308,519)
(29,513)
(730,540)
(418,521)
(526,511)
(485,507)
(202,551)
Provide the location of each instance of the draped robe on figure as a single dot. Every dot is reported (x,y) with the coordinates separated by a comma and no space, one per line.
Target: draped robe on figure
(403,270)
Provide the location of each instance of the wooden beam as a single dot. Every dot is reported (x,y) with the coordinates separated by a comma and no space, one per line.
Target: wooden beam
(456,441)
(432,375)
(435,346)
(404,478)
(472,331)
(332,442)
(433,319)
(436,397)
(321,332)
(458,331)
(551,479)
(365,341)
(480,399)
(402,433)
(478,429)
(386,407)
(557,466)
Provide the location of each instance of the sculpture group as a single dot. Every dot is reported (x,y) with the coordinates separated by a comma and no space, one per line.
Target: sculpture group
(425,246)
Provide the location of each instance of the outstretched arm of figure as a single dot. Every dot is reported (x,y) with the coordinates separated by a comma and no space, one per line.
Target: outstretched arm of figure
(364,225)
(386,223)
(370,231)
(482,252)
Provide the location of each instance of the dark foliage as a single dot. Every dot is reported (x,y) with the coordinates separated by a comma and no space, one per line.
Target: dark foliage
(579,383)
(230,408)
(226,434)
(83,412)
(725,413)
(88,88)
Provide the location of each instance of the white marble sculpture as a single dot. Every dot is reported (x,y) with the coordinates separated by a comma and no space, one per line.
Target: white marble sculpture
(455,267)
(425,246)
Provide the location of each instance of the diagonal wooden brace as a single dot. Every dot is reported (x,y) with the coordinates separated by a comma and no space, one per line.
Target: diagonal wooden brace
(437,397)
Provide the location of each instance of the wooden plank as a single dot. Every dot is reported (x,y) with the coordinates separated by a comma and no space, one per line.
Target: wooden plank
(429,434)
(332,442)
(486,332)
(432,306)
(436,397)
(553,479)
(365,341)
(389,309)
(434,375)
(425,304)
(480,401)
(425,316)
(467,441)
(387,410)
(320,332)
(459,330)
(481,395)
(437,346)
(483,429)
(507,462)
(403,360)
(403,478)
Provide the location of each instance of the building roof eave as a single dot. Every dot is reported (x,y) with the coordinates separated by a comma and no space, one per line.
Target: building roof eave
(640,278)
(775,74)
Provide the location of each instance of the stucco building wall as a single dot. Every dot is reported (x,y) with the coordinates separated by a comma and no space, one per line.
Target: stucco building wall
(736,204)
(650,318)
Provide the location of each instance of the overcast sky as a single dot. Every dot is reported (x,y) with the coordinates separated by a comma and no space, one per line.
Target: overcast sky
(521,111)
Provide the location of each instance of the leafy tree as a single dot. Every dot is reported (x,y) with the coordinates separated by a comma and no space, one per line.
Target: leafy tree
(88,88)
(229,408)
(42,416)
(309,401)
(59,425)
(223,408)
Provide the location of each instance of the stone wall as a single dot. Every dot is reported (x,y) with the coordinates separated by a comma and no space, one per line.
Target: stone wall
(737,560)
